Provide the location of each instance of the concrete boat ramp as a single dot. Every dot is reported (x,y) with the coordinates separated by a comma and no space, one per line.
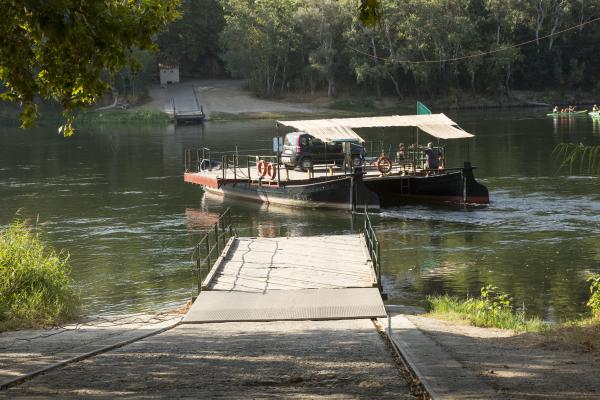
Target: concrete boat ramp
(282,279)
(274,318)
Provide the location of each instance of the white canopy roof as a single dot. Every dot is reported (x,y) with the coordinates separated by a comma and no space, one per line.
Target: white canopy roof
(334,129)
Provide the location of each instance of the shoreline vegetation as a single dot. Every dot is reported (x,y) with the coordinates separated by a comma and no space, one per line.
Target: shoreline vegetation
(494,309)
(36,289)
(342,105)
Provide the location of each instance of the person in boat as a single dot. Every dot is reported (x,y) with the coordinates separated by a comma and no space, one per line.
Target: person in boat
(432,159)
(555,109)
(595,108)
(401,154)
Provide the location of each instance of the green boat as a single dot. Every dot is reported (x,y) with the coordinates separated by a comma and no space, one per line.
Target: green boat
(567,114)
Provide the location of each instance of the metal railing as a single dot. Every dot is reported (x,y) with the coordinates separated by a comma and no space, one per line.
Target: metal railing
(373,248)
(209,248)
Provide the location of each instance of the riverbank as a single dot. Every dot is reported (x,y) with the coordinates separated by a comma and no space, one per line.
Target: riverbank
(230,100)
(293,359)
(514,365)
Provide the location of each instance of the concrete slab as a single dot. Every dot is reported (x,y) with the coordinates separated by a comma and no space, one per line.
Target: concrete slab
(286,305)
(263,264)
(294,359)
(443,376)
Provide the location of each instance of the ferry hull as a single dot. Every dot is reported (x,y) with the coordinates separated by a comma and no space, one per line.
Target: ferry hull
(459,187)
(343,193)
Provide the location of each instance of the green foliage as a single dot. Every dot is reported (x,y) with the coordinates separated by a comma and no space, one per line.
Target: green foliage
(60,49)
(493,309)
(412,47)
(587,158)
(193,41)
(35,284)
(594,301)
(369,12)
(123,117)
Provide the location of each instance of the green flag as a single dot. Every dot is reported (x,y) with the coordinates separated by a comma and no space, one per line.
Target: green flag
(422,109)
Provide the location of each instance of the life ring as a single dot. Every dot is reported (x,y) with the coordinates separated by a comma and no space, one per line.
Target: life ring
(262,168)
(271,171)
(384,165)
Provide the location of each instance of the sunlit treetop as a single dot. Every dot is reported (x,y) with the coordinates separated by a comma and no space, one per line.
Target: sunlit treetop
(369,12)
(65,49)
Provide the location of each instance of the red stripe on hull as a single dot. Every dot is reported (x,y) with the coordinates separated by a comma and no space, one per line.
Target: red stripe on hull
(202,180)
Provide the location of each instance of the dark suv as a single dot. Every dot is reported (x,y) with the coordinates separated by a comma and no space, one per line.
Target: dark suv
(301,150)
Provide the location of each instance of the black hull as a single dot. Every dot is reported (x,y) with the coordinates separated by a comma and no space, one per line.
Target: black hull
(344,193)
(459,187)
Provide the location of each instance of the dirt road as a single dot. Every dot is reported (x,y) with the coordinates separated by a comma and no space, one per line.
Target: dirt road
(219,97)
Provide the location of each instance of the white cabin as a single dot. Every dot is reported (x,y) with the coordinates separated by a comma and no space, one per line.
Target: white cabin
(168,74)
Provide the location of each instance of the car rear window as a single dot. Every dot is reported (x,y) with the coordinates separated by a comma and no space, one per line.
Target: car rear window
(290,140)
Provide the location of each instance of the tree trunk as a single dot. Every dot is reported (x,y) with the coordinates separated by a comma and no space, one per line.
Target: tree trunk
(539,21)
(558,10)
(374,48)
(581,14)
(396,86)
(507,80)
(283,75)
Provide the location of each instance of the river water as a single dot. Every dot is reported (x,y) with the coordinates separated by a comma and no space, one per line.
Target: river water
(114,198)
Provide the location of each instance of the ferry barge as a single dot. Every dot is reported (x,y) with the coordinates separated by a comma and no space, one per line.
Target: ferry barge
(348,183)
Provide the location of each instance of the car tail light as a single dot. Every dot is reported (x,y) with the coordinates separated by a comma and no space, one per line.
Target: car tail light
(298,147)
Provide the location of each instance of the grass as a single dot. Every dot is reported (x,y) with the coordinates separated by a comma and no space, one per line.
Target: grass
(124,117)
(494,310)
(581,334)
(478,312)
(36,289)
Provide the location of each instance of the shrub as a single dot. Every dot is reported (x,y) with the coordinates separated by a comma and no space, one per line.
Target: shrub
(594,301)
(35,283)
(492,310)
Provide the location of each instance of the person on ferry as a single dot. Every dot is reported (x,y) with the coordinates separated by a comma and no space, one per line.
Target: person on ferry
(432,159)
(401,154)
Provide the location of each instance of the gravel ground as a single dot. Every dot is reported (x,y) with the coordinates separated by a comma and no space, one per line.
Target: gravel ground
(218,96)
(300,359)
(517,366)
(28,350)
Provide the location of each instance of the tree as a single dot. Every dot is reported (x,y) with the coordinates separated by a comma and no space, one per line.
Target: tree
(60,49)
(259,38)
(193,41)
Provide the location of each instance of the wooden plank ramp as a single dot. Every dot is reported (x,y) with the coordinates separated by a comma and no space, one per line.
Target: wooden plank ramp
(299,278)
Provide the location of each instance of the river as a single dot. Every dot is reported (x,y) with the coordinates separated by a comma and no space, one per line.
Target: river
(113,197)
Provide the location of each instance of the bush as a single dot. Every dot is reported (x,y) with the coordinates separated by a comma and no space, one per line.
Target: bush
(35,283)
(492,310)
(594,301)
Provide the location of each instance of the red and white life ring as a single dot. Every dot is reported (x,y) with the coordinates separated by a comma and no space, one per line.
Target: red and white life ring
(262,168)
(384,165)
(271,171)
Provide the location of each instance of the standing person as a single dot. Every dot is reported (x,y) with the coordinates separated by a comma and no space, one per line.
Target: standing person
(401,157)
(401,154)
(431,157)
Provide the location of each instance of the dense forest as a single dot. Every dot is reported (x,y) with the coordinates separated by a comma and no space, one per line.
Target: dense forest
(310,46)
